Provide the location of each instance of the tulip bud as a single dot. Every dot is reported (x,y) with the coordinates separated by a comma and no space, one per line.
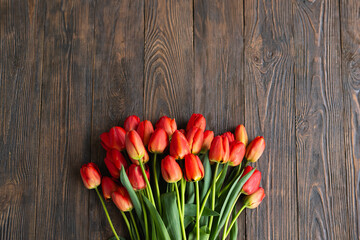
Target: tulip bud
(195,138)
(196,120)
(114,139)
(131,123)
(237,152)
(253,183)
(183,131)
(170,170)
(134,145)
(108,187)
(179,146)
(229,136)
(122,200)
(145,129)
(114,161)
(168,124)
(208,137)
(90,175)
(253,201)
(136,178)
(194,169)
(219,150)
(158,141)
(255,149)
(241,134)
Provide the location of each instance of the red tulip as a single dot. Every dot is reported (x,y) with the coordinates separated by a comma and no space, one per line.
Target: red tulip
(108,187)
(229,136)
(144,159)
(170,170)
(168,124)
(158,141)
(122,200)
(179,146)
(136,178)
(134,145)
(114,161)
(195,138)
(183,131)
(237,152)
(145,129)
(208,138)
(131,123)
(219,150)
(241,134)
(255,149)
(90,175)
(253,201)
(196,120)
(194,169)
(114,139)
(253,183)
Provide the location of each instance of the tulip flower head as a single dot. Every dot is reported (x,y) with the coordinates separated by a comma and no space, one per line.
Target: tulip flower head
(136,178)
(241,134)
(90,175)
(114,161)
(168,124)
(134,145)
(114,139)
(131,123)
(194,169)
(229,136)
(183,131)
(195,138)
(179,146)
(237,152)
(145,129)
(208,137)
(158,141)
(108,187)
(253,201)
(255,149)
(196,120)
(253,183)
(122,200)
(219,150)
(170,170)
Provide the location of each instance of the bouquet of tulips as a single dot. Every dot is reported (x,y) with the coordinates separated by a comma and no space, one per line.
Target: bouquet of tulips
(191,193)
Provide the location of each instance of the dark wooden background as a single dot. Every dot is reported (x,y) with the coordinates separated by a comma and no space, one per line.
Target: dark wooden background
(288,69)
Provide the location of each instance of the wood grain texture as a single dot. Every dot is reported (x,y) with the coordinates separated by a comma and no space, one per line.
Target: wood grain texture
(169,60)
(117,88)
(21,37)
(350,75)
(269,111)
(65,120)
(219,58)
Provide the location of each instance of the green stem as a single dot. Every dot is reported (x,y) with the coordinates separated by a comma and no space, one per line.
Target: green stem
(147,183)
(229,215)
(234,221)
(238,171)
(127,224)
(107,213)
(136,229)
(204,201)
(157,184)
(213,187)
(197,211)
(180,212)
(183,187)
(145,218)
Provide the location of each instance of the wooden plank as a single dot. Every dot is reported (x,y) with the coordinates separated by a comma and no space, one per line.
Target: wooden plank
(169,60)
(219,61)
(321,170)
(118,88)
(21,39)
(350,75)
(269,111)
(62,200)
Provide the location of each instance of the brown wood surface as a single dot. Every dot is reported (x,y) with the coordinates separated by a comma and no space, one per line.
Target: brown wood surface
(288,70)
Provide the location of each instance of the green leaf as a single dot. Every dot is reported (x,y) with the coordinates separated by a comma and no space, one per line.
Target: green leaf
(156,219)
(234,229)
(134,199)
(190,210)
(171,215)
(204,234)
(190,192)
(206,183)
(220,182)
(188,220)
(228,202)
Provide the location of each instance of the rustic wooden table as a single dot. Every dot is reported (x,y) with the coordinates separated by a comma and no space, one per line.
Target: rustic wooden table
(288,70)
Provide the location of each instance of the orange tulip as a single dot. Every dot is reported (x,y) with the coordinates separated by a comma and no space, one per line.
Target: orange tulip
(122,200)
(237,152)
(114,161)
(208,138)
(195,138)
(179,146)
(114,139)
(168,124)
(241,134)
(90,175)
(134,145)
(170,170)
(253,183)
(229,136)
(194,169)
(131,123)
(158,141)
(253,201)
(136,178)
(196,120)
(145,129)
(108,187)
(219,150)
(255,149)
